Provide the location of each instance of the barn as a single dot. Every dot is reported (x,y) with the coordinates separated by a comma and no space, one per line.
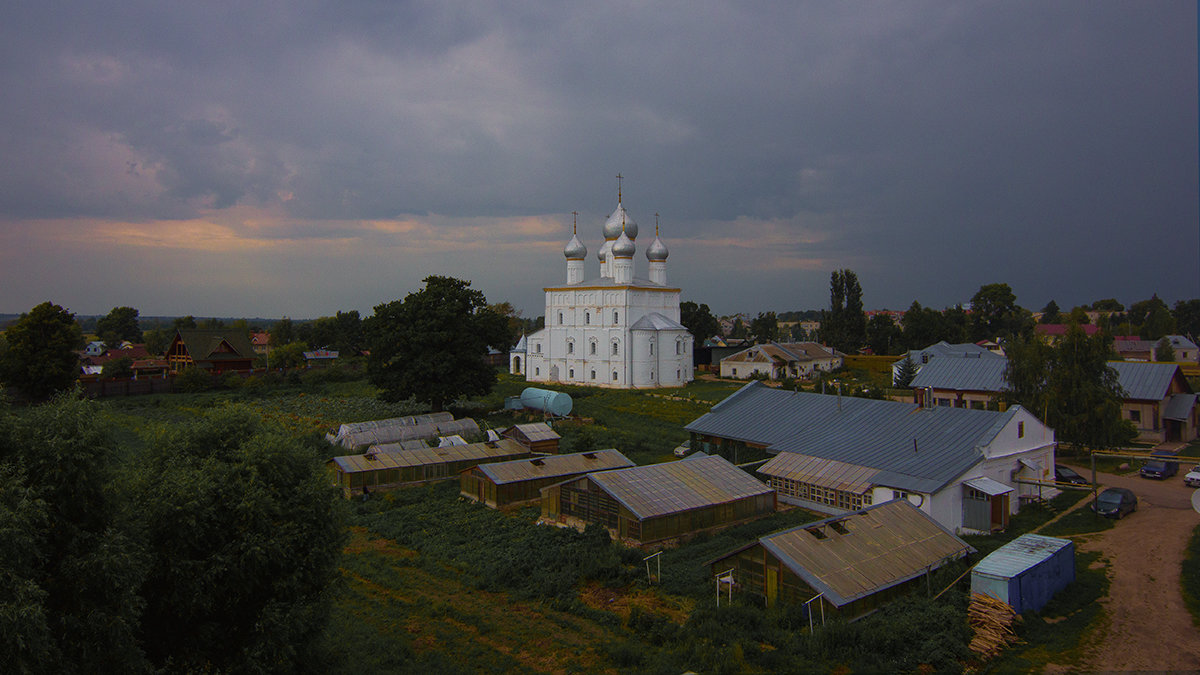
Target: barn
(846,566)
(646,504)
(382,470)
(519,481)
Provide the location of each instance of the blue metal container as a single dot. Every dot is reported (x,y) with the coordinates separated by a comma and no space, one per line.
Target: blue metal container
(1026,572)
(554,402)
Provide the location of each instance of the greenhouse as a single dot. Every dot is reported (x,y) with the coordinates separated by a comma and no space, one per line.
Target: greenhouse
(421,427)
(652,503)
(538,437)
(853,563)
(500,484)
(382,470)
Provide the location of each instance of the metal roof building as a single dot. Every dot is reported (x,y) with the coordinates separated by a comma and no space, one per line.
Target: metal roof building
(853,562)
(379,469)
(660,501)
(1026,572)
(537,436)
(500,484)
(837,454)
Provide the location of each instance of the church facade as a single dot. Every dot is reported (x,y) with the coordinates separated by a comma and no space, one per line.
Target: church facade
(615,330)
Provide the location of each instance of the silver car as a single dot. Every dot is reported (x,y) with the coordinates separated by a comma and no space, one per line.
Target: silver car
(1192,479)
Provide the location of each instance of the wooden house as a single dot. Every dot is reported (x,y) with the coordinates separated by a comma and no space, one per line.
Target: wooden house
(216,351)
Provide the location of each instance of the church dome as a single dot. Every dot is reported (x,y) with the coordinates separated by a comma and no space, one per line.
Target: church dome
(619,217)
(623,247)
(603,252)
(657,251)
(575,250)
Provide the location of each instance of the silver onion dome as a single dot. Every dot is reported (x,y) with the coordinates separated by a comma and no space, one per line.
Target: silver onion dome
(612,227)
(575,250)
(658,251)
(623,247)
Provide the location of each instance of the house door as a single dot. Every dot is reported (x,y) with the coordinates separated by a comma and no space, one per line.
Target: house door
(999,511)
(516,365)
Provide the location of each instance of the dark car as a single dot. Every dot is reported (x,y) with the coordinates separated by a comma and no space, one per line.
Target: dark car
(1065,474)
(1115,503)
(1160,468)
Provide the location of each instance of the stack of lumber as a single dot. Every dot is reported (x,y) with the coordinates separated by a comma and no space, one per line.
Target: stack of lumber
(992,621)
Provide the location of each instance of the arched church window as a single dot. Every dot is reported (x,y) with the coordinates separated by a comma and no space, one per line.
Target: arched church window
(560,318)
(570,347)
(587,318)
(614,376)
(616,348)
(571,373)
(615,320)
(651,349)
(592,348)
(593,374)
(678,347)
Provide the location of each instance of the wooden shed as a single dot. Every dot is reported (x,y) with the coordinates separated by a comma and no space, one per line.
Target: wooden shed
(847,565)
(519,481)
(537,436)
(652,503)
(383,470)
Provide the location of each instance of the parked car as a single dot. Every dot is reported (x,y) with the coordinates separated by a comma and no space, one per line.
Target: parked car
(1192,479)
(1065,474)
(683,449)
(1115,503)
(1160,468)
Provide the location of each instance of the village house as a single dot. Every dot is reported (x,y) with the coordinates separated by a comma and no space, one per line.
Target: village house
(216,351)
(920,357)
(835,454)
(1157,397)
(776,361)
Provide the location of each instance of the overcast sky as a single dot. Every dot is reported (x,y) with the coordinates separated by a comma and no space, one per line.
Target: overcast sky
(300,158)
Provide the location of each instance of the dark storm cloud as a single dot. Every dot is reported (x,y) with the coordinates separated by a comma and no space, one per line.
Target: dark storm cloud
(932,146)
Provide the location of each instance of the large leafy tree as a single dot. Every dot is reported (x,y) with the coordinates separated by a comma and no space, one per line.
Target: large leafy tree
(432,344)
(1071,386)
(119,324)
(699,321)
(883,335)
(1051,313)
(40,359)
(995,314)
(244,534)
(1187,317)
(70,576)
(342,332)
(764,327)
(844,325)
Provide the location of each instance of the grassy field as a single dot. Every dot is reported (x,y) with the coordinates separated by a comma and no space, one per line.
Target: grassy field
(434,583)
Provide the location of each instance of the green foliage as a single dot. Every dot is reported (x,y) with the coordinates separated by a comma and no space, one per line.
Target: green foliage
(283,332)
(1163,351)
(883,335)
(290,355)
(40,359)
(432,345)
(244,535)
(1187,317)
(71,576)
(1190,576)
(764,328)
(157,340)
(1070,386)
(342,333)
(905,373)
(1051,313)
(119,324)
(122,367)
(995,314)
(844,326)
(192,380)
(699,321)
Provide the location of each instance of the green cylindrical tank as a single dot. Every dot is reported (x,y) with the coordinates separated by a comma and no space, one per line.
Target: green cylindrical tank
(553,402)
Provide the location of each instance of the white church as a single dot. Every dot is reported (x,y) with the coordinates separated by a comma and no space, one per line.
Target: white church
(616,330)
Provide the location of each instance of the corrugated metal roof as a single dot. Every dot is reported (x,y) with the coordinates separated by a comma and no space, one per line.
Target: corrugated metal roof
(1145,381)
(944,348)
(880,546)
(988,486)
(398,459)
(661,489)
(1019,555)
(914,448)
(963,374)
(552,466)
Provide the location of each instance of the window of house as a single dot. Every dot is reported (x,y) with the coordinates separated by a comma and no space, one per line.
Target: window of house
(1135,415)
(539,348)
(1020,430)
(899,494)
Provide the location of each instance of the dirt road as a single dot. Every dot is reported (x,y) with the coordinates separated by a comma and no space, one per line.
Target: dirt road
(1149,628)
